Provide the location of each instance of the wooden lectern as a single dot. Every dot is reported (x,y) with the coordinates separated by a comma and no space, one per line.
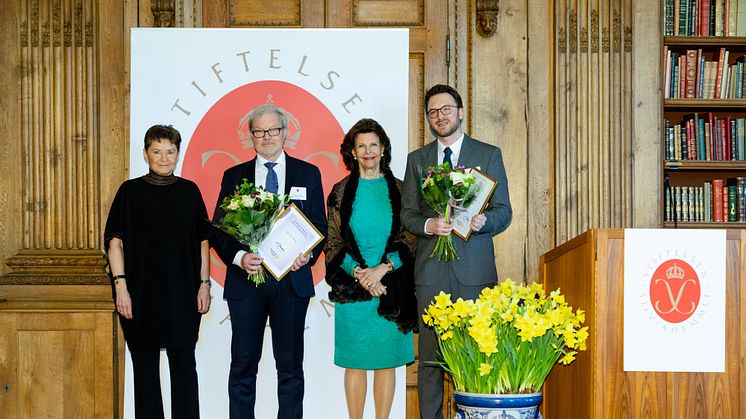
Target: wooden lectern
(589,269)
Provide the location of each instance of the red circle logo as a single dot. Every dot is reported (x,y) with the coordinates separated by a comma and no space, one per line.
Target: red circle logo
(675,291)
(221,140)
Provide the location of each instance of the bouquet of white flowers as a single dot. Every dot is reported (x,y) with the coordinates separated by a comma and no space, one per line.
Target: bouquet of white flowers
(444,189)
(249,215)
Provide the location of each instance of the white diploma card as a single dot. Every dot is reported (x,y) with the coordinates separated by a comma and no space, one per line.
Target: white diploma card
(291,235)
(462,217)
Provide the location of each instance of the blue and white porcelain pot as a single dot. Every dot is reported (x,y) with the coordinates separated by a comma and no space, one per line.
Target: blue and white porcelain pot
(497,406)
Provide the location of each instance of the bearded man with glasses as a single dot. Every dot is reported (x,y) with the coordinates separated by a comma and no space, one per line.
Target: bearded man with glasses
(475,268)
(284,302)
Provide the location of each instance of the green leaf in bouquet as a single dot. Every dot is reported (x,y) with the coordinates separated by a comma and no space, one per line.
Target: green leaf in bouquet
(245,188)
(427,194)
(231,219)
(230,229)
(247,217)
(439,195)
(261,232)
(259,218)
(246,229)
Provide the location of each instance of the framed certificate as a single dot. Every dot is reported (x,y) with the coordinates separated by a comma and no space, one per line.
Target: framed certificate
(291,235)
(462,216)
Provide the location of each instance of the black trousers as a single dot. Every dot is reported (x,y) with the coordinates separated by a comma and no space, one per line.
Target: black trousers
(286,311)
(184,390)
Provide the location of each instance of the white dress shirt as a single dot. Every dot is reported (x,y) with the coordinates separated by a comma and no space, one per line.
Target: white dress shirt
(260,172)
(455,150)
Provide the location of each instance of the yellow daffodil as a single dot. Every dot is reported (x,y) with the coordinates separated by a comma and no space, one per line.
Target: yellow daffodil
(443,300)
(568,358)
(506,324)
(484,369)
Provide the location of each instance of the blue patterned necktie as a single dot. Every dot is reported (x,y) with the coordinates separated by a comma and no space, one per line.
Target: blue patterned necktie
(272,184)
(447,156)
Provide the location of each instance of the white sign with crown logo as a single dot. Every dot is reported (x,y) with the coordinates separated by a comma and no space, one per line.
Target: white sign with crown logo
(205,82)
(674,300)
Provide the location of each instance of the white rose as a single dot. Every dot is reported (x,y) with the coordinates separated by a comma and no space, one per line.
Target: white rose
(457,177)
(233,205)
(247,201)
(264,195)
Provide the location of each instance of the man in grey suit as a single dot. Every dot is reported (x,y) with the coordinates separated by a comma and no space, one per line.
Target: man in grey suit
(475,268)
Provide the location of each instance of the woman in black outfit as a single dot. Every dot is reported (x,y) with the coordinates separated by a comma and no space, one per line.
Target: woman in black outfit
(156,238)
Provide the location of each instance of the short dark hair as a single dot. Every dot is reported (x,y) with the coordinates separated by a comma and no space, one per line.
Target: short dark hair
(162,132)
(442,88)
(268,108)
(363,126)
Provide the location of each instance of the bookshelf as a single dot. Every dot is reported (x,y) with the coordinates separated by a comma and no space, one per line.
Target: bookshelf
(704,114)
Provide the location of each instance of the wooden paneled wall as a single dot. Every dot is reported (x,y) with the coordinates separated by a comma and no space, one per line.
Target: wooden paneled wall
(62,124)
(592,115)
(496,80)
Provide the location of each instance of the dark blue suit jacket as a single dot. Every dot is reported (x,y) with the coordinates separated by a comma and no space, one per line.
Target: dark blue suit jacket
(297,173)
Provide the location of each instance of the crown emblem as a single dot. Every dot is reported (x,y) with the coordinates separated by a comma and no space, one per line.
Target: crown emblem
(675,272)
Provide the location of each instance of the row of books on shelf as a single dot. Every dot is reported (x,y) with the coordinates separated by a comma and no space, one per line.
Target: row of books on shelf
(704,18)
(690,75)
(706,137)
(716,201)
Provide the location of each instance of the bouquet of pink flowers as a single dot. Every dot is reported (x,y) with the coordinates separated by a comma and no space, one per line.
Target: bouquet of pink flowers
(446,189)
(249,215)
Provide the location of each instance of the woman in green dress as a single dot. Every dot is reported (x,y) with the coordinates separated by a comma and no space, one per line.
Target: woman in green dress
(370,258)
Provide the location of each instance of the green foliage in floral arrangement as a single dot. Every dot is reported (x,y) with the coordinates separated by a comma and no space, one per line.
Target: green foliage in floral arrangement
(508,340)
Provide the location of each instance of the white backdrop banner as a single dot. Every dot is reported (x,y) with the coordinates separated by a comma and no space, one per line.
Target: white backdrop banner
(674,300)
(204,82)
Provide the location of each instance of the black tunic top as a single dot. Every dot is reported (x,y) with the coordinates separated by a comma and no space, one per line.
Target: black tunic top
(161,227)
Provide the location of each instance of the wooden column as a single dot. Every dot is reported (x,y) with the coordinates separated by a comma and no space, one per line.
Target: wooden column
(594,118)
(54,142)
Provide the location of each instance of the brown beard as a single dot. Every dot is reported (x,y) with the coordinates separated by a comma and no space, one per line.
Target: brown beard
(453,129)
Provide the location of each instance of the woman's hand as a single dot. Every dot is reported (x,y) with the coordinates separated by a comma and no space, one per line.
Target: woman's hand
(203,299)
(370,278)
(377,290)
(124,302)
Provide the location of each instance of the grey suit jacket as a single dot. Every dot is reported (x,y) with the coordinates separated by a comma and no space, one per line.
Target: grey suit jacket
(476,264)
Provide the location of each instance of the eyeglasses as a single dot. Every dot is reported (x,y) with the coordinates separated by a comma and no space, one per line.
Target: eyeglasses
(444,110)
(259,133)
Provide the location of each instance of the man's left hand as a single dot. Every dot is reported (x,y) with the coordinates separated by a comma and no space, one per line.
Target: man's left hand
(300,262)
(477,222)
